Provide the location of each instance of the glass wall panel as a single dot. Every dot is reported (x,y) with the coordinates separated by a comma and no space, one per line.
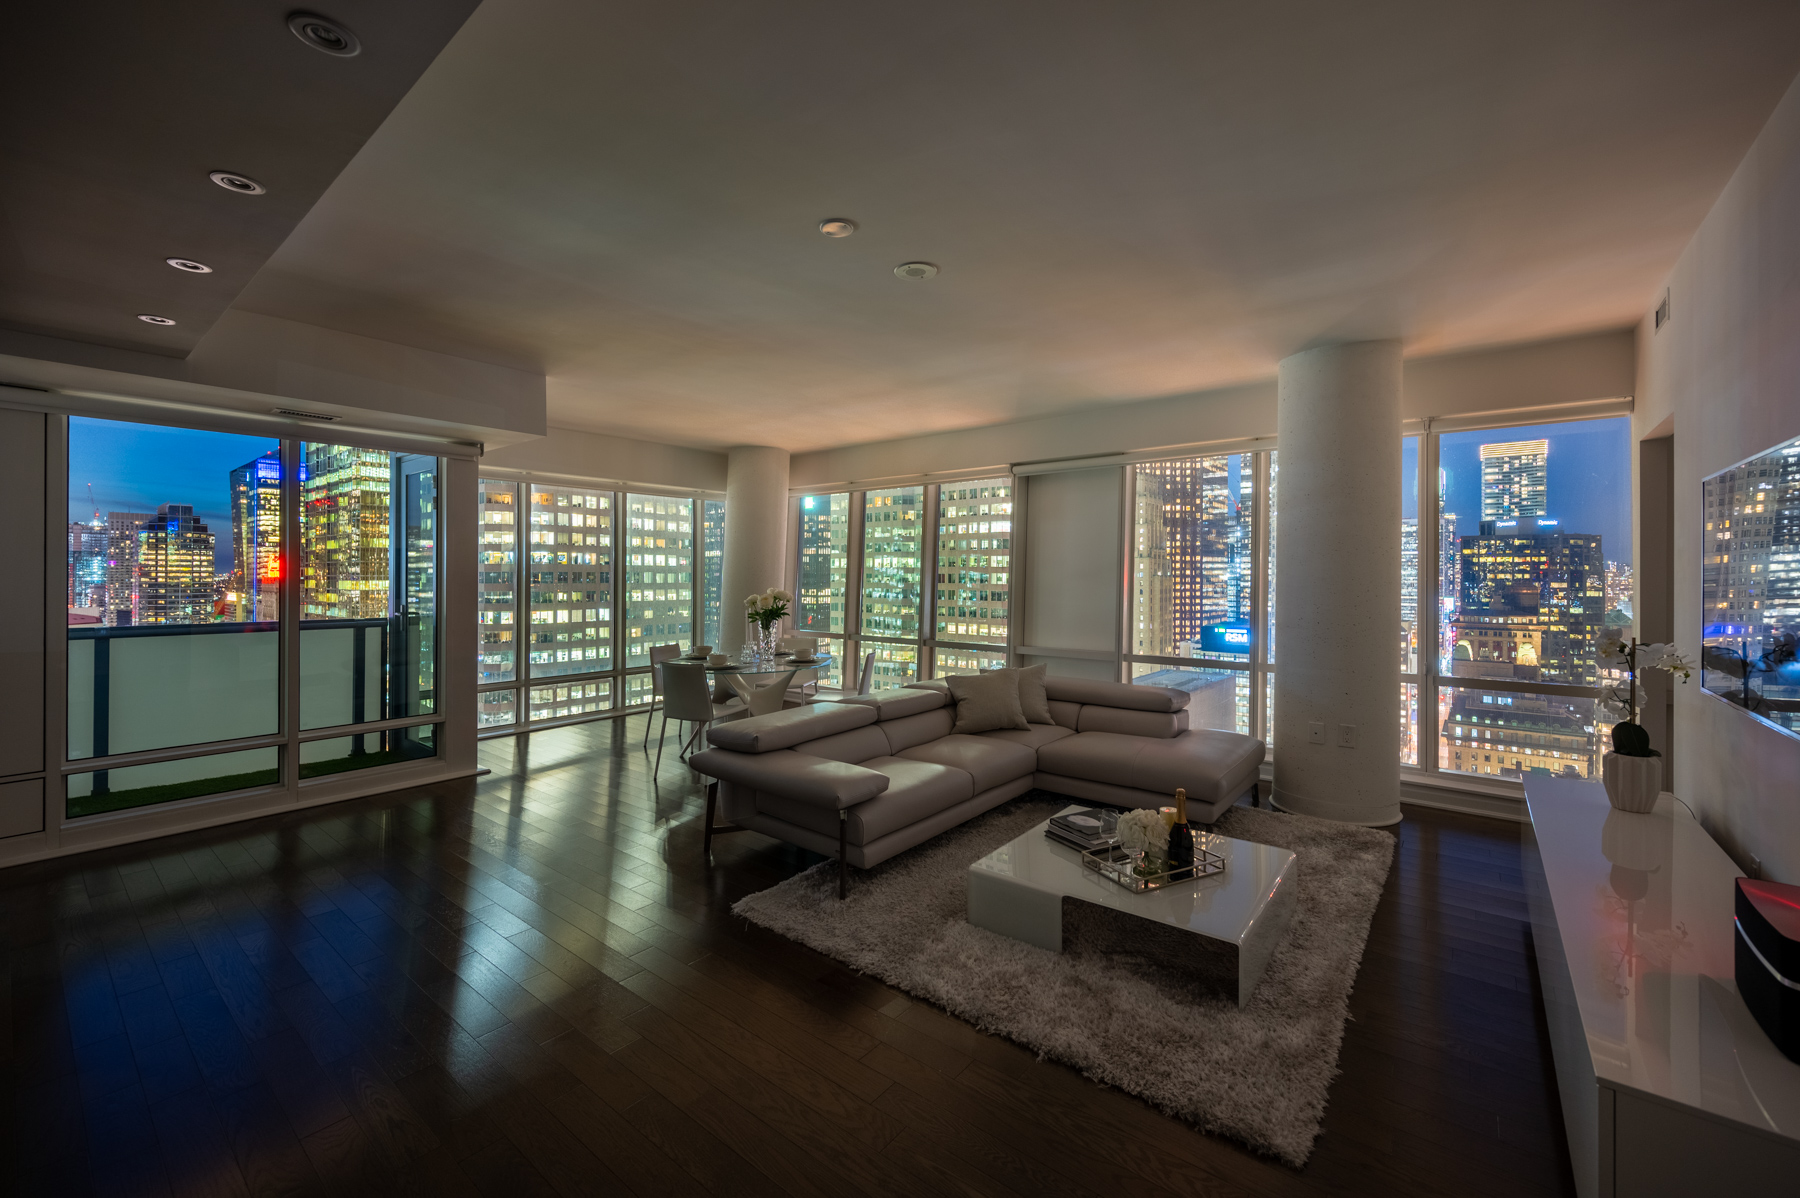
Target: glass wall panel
(496,709)
(174,569)
(367,750)
(820,599)
(368,585)
(895,665)
(1193,558)
(1535,535)
(831,675)
(1409,723)
(946,662)
(572,698)
(569,581)
(1409,555)
(1269,586)
(974,566)
(659,576)
(1505,735)
(712,589)
(1220,698)
(640,689)
(497,577)
(892,543)
(169,781)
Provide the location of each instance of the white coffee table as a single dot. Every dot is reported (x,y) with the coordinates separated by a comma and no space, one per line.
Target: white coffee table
(1239,916)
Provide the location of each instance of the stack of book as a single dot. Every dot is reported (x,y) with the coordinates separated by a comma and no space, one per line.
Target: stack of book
(1087,828)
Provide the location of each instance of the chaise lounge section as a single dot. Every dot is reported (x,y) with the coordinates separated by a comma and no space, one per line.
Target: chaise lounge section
(874,775)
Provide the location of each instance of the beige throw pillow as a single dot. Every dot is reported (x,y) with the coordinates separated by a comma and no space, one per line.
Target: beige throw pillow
(986,701)
(1032,699)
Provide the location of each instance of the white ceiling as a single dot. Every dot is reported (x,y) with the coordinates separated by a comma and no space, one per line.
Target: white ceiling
(1126,199)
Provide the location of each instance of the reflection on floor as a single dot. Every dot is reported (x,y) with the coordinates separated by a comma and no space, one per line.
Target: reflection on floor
(531,984)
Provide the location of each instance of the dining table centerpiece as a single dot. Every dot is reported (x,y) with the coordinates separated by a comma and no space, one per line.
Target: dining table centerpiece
(766,612)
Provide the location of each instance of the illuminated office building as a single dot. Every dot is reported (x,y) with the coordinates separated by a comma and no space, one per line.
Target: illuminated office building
(1514,480)
(1192,555)
(1531,603)
(122,530)
(1409,592)
(974,583)
(344,533)
(87,567)
(255,579)
(659,575)
(1750,578)
(1510,735)
(712,567)
(570,543)
(824,565)
(893,553)
(174,568)
(496,578)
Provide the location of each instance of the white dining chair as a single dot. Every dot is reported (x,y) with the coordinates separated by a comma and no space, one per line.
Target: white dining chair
(688,700)
(658,655)
(761,700)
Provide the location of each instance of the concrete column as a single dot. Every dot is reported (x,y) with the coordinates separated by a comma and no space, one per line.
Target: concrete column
(1337,583)
(756,519)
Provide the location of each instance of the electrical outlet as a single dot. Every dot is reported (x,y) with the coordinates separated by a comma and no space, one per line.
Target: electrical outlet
(1315,732)
(1346,736)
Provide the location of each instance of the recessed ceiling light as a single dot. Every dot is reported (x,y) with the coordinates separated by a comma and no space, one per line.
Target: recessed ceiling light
(242,184)
(323,33)
(189,265)
(837,226)
(149,319)
(915,270)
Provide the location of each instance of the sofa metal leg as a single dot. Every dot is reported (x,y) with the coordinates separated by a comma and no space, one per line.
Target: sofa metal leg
(712,802)
(843,852)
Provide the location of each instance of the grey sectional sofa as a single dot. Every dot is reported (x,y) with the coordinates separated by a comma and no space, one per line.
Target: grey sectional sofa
(872,775)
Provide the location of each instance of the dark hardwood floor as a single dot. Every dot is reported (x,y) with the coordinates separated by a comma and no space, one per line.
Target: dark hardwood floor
(530,984)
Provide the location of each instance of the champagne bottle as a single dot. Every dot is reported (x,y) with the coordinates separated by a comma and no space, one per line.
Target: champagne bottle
(1181,837)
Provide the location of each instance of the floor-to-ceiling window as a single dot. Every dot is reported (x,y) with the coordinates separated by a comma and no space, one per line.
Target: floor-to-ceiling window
(712,570)
(571,609)
(920,578)
(244,612)
(1522,545)
(974,582)
(1198,574)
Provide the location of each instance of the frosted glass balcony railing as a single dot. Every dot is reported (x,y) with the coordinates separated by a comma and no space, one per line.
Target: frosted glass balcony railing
(143,688)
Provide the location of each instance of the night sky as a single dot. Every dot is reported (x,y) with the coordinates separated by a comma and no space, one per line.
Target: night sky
(1589,480)
(136,467)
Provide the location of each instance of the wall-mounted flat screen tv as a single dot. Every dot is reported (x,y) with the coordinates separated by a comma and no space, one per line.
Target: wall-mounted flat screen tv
(1750,586)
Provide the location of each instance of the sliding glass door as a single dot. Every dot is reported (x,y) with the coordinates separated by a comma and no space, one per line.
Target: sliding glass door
(244,613)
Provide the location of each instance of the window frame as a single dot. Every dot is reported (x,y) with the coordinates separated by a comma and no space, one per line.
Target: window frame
(618,673)
(291,786)
(927,643)
(1429,681)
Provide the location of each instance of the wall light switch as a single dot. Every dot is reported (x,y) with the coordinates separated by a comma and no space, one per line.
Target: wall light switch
(1346,736)
(1315,732)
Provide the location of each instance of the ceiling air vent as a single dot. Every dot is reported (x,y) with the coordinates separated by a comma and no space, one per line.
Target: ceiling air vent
(297,414)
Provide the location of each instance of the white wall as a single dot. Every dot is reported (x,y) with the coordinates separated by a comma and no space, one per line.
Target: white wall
(1567,370)
(568,454)
(1726,367)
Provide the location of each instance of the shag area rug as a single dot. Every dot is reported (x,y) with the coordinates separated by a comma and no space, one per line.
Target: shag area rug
(1259,1075)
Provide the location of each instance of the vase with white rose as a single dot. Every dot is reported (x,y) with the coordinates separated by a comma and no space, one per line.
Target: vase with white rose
(1633,771)
(766,611)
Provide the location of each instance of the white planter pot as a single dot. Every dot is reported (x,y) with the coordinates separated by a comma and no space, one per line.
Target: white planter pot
(1632,783)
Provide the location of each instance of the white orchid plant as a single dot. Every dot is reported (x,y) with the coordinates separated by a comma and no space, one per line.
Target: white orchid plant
(766,609)
(1628,736)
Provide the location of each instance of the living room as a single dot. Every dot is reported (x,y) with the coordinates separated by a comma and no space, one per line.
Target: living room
(1057,599)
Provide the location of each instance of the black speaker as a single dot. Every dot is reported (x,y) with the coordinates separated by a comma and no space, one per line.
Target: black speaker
(1768,959)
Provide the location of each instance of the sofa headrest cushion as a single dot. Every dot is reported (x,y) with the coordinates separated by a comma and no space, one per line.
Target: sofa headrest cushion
(1115,694)
(785,729)
(905,701)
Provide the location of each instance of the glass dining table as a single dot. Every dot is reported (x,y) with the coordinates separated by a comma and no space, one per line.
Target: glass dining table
(722,690)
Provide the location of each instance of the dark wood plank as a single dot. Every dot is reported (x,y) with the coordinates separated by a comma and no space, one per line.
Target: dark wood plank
(533,984)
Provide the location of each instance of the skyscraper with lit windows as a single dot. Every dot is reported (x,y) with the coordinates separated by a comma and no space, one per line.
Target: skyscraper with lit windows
(255,579)
(1514,479)
(174,568)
